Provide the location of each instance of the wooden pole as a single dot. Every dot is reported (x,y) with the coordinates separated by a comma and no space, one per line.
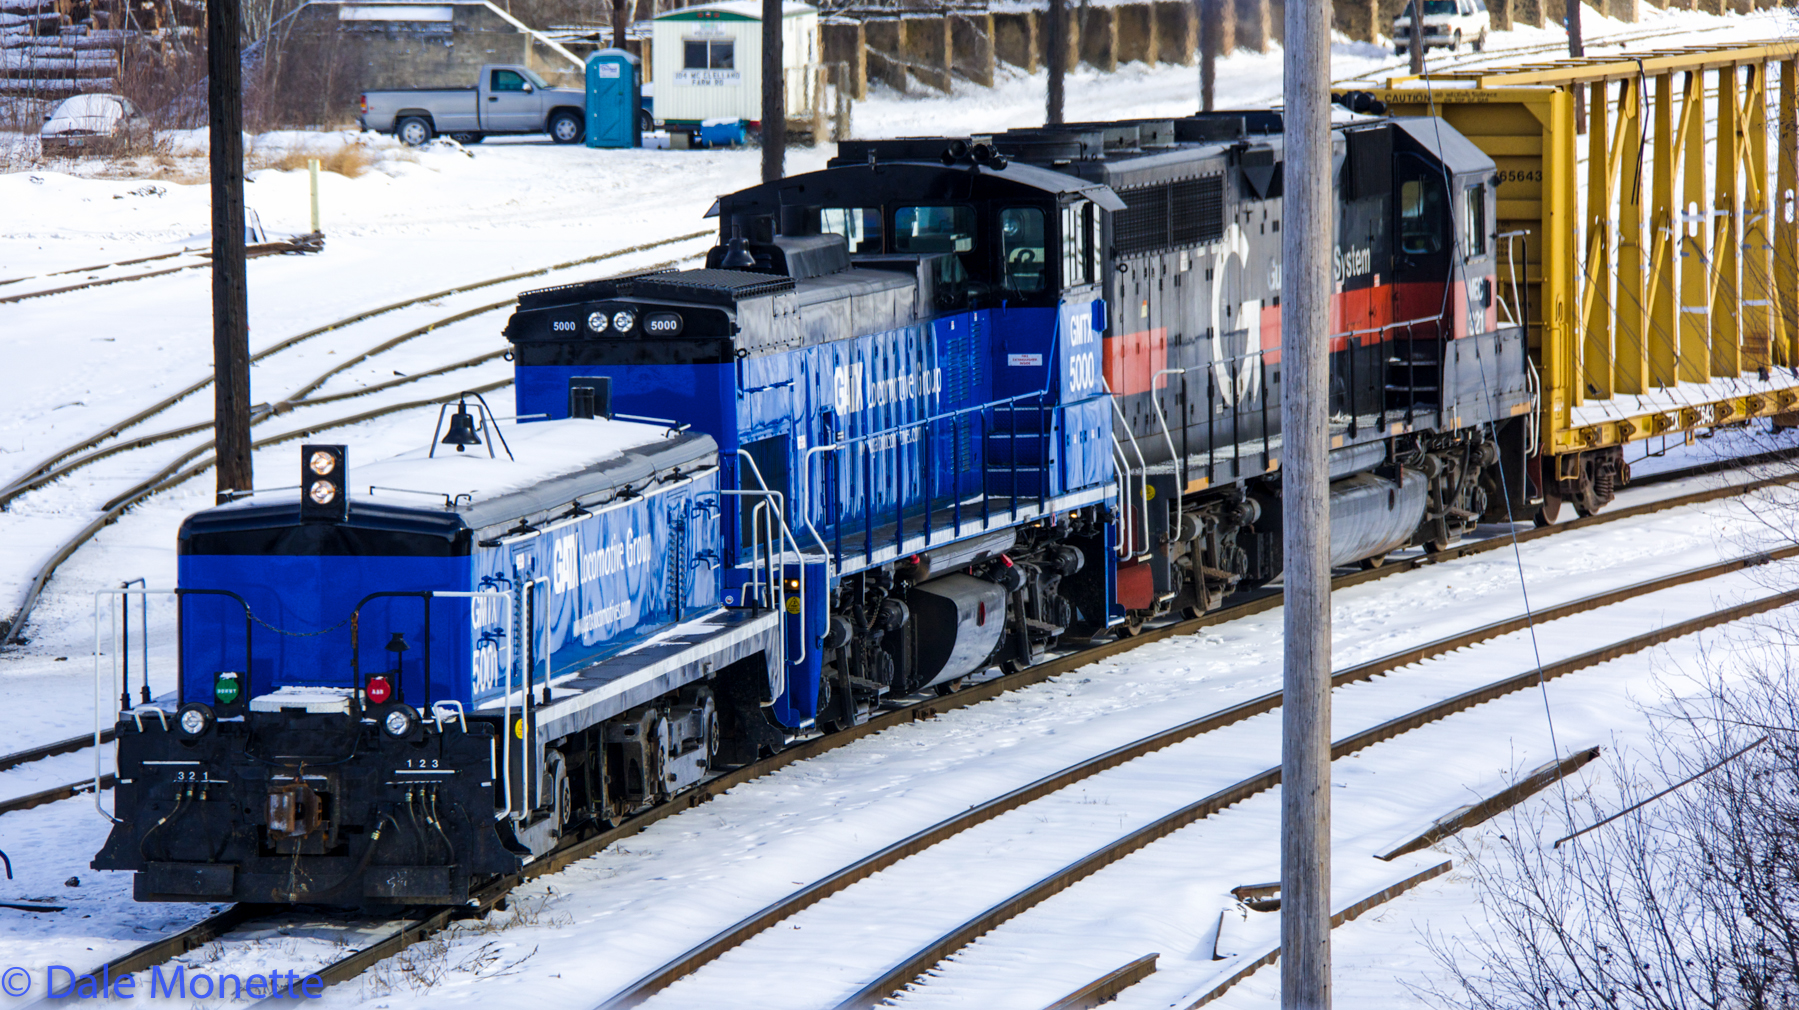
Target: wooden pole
(230,303)
(1307,237)
(1578,50)
(1208,52)
(1057,50)
(1415,46)
(774,94)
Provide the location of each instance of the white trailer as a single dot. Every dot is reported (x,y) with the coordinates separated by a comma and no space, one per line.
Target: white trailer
(706,62)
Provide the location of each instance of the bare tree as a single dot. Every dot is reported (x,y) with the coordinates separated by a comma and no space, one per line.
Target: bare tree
(1689,902)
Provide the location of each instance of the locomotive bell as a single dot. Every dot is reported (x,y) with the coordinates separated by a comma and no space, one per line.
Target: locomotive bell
(462,429)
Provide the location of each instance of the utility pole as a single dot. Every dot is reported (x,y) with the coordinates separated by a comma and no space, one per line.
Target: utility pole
(230,303)
(1415,48)
(1058,58)
(1308,235)
(1208,51)
(1577,48)
(774,94)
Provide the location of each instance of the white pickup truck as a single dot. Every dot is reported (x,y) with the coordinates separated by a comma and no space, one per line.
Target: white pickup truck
(506,98)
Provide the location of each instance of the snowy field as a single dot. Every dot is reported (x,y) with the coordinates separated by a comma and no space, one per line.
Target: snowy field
(425,220)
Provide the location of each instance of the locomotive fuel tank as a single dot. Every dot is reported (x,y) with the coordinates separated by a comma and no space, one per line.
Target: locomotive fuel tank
(1370,515)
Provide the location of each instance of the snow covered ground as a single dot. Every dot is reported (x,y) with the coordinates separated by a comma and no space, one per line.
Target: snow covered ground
(425,220)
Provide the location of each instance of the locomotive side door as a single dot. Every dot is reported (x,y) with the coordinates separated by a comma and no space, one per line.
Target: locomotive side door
(1423,265)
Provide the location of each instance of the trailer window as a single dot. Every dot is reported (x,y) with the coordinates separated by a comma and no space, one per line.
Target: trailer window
(1022,248)
(859,226)
(710,54)
(933,229)
(507,80)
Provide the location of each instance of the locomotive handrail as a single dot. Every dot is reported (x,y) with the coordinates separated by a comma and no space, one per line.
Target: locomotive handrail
(103,695)
(506,691)
(1180,461)
(355,639)
(1142,465)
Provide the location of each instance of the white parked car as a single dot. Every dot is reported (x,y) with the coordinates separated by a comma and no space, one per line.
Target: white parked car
(94,124)
(1447,23)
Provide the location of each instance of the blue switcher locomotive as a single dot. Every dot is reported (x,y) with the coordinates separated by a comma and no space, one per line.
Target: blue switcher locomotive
(943,406)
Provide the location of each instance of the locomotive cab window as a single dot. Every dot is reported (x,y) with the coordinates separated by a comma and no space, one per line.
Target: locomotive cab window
(1422,217)
(859,226)
(709,54)
(1079,264)
(1474,200)
(1022,249)
(933,229)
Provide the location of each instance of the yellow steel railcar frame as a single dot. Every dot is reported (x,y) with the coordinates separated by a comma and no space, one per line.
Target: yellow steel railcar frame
(1676,308)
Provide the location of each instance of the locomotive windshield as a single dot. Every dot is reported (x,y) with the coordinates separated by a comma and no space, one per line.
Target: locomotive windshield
(1021,243)
(933,229)
(859,226)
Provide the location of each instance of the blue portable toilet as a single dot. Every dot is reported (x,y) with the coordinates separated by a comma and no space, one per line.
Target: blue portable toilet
(614,86)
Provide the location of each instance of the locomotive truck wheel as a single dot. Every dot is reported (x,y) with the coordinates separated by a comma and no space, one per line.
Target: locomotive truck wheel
(414,131)
(944,690)
(565,128)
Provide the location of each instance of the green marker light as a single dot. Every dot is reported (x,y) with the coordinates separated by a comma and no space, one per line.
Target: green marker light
(224,689)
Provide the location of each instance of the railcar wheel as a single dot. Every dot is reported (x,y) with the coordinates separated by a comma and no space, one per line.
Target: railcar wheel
(1548,511)
(1370,564)
(948,688)
(413,131)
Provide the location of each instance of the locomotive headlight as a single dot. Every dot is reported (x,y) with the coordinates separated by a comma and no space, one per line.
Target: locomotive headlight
(400,721)
(194,719)
(597,322)
(623,320)
(322,463)
(321,492)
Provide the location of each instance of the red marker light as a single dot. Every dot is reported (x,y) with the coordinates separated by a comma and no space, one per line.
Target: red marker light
(380,690)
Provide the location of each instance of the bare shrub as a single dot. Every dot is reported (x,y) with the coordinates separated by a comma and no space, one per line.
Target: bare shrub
(1691,901)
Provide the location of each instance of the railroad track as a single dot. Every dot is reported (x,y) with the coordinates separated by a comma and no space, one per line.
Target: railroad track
(911,967)
(309,243)
(1260,603)
(488,897)
(75,456)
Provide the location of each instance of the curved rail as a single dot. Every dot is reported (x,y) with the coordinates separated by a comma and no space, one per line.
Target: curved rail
(579,848)
(120,427)
(114,507)
(719,943)
(915,965)
(174,474)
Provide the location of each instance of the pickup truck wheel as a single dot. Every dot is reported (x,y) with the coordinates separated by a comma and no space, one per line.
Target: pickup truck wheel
(413,131)
(1455,43)
(565,128)
(1480,43)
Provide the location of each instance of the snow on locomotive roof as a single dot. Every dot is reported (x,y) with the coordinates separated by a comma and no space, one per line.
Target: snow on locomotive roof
(555,463)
